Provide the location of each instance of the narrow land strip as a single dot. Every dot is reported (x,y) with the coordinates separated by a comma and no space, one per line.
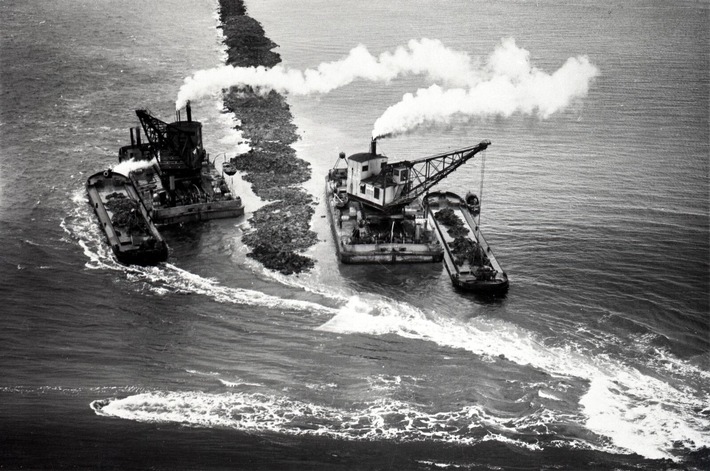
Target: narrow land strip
(282,227)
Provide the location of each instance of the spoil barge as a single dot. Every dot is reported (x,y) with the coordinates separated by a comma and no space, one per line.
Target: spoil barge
(133,237)
(468,258)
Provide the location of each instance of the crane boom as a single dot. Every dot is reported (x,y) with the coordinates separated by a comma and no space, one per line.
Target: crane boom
(177,146)
(426,172)
(155,130)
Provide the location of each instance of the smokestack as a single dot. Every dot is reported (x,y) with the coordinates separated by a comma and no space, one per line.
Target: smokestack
(189,111)
(138,136)
(373,147)
(133,142)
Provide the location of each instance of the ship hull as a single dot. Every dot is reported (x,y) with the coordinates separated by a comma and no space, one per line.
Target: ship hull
(210,204)
(198,212)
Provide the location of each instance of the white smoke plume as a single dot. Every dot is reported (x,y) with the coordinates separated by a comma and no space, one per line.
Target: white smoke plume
(128,166)
(462,87)
(506,84)
(426,56)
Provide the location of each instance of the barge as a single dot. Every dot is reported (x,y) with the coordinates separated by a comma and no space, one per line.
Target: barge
(178,182)
(468,258)
(133,237)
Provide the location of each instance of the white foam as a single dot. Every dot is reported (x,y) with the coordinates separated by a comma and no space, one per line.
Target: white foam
(438,465)
(639,412)
(503,439)
(81,227)
(236,384)
(233,138)
(547,395)
(202,373)
(382,419)
(183,279)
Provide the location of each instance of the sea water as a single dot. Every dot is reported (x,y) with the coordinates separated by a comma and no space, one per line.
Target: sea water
(598,213)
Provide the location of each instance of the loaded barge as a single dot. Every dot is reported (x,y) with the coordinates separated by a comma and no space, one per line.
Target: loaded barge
(468,258)
(131,234)
(179,183)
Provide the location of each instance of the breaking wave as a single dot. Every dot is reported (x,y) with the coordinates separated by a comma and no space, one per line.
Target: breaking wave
(382,419)
(639,408)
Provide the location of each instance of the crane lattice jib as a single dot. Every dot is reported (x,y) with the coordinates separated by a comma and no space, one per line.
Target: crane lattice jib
(178,153)
(156,131)
(428,171)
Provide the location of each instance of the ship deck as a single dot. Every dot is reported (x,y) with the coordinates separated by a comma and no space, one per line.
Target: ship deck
(214,203)
(386,240)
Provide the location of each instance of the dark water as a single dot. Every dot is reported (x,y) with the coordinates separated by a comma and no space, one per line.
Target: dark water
(596,358)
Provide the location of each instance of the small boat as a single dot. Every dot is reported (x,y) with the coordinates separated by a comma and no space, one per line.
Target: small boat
(473,203)
(468,258)
(229,168)
(131,234)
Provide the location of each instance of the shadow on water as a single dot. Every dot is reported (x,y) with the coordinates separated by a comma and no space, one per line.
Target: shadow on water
(185,238)
(391,280)
(493,299)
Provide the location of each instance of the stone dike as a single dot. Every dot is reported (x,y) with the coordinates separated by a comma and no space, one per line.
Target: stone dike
(281,229)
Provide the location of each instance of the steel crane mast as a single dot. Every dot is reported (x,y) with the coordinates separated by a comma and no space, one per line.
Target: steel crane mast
(155,130)
(177,146)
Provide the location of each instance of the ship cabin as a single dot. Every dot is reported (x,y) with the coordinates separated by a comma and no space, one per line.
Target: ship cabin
(137,150)
(371,180)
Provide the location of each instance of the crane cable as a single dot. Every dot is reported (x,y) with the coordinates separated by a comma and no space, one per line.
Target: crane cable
(480,193)
(480,209)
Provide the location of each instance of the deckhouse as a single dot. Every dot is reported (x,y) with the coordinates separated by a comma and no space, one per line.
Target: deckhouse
(372,181)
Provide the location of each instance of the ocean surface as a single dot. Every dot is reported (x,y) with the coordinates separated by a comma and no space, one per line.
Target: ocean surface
(598,357)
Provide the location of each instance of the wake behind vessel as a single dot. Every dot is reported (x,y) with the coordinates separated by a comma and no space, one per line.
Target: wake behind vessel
(181,184)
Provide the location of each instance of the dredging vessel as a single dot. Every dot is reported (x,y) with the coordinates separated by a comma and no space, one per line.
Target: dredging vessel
(375,207)
(133,237)
(468,258)
(180,184)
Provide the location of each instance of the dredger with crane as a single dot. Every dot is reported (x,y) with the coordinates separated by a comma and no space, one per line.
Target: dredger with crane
(182,185)
(379,214)
(174,181)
